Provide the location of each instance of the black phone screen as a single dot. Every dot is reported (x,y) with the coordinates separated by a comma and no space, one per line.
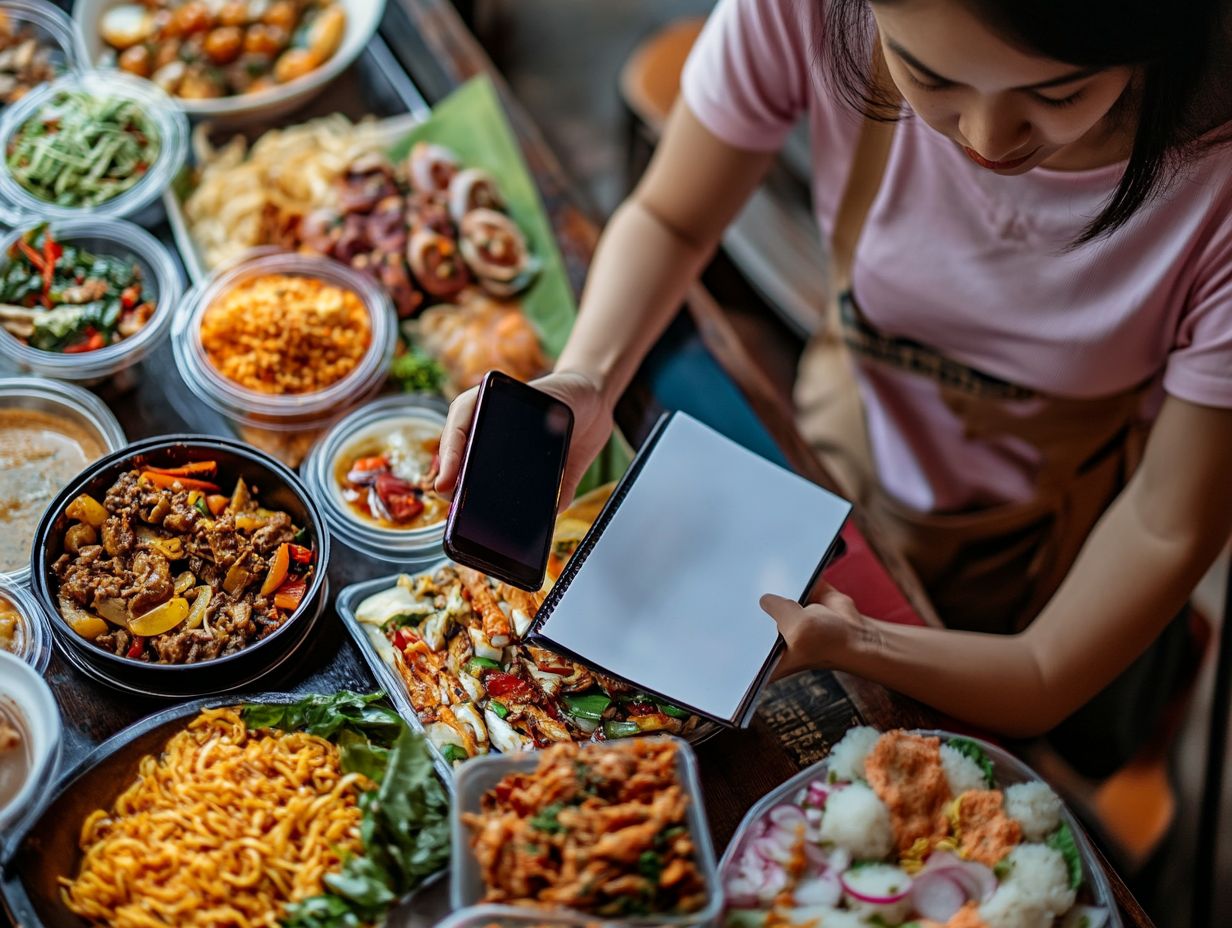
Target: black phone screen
(505,504)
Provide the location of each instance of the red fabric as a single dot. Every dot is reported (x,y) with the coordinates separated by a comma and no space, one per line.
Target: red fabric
(860,574)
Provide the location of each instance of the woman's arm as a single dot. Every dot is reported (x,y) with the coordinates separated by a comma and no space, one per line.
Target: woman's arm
(1134,573)
(654,246)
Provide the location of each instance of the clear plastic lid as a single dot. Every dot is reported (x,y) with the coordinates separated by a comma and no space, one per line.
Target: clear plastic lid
(23,691)
(33,638)
(20,205)
(283,412)
(160,276)
(408,547)
(50,25)
(69,404)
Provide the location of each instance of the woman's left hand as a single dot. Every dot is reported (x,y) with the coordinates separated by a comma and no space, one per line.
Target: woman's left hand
(816,634)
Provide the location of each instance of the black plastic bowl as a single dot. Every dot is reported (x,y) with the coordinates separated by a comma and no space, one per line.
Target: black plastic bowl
(278,488)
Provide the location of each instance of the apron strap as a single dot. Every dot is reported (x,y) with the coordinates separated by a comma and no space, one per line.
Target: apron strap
(868,164)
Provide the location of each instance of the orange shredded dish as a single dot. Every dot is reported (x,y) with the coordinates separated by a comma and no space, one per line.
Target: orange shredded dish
(601,830)
(282,334)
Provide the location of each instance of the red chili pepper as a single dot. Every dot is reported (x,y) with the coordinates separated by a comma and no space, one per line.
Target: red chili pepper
(641,708)
(130,296)
(291,594)
(500,684)
(136,649)
(300,554)
(402,638)
(51,254)
(92,342)
(31,255)
(400,498)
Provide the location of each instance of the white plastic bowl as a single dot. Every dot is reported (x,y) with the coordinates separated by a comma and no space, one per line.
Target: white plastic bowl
(20,683)
(363,17)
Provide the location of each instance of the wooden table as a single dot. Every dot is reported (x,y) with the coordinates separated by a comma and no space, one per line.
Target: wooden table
(799,719)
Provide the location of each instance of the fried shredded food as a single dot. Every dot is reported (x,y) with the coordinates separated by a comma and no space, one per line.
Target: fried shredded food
(282,334)
(600,830)
(226,827)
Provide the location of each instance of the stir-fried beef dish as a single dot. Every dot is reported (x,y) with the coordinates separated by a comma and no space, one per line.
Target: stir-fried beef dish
(167,569)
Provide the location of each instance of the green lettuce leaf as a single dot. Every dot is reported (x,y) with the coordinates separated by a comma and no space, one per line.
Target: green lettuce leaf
(1062,840)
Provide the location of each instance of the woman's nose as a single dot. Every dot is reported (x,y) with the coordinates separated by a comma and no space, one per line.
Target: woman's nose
(994,130)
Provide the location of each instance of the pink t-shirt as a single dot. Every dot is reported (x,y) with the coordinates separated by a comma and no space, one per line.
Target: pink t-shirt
(973,263)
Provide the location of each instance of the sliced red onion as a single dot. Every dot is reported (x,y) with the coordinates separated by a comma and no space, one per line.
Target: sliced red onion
(786,816)
(850,887)
(817,793)
(1085,916)
(935,895)
(976,880)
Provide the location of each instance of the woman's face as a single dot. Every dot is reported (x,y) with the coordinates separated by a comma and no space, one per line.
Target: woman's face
(1009,110)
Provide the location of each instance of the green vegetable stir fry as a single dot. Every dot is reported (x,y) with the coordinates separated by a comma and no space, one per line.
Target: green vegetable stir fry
(83,150)
(61,298)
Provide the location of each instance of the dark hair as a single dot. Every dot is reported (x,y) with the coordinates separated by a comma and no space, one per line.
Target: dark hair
(1179,49)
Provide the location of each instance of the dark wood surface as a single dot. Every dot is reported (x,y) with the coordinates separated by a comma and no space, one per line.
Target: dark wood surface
(799,719)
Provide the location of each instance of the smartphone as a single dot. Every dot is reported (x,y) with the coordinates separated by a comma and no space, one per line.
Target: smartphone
(504,505)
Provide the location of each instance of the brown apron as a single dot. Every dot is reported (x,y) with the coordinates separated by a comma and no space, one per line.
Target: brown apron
(988,569)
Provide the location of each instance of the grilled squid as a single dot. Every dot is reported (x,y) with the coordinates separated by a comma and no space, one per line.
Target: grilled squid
(503,735)
(430,167)
(473,189)
(436,264)
(368,180)
(320,230)
(493,245)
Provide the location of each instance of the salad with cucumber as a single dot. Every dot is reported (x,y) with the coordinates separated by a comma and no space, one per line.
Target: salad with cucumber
(60,298)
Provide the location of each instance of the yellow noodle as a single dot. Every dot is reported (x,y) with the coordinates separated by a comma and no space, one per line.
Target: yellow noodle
(224,828)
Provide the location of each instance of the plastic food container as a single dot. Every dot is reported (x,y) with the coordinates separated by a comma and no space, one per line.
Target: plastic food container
(22,206)
(508,916)
(51,26)
(1007,769)
(34,645)
(279,489)
(159,274)
(283,412)
(412,548)
(23,691)
(71,405)
(478,775)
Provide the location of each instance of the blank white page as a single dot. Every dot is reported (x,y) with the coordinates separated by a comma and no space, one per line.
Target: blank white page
(668,596)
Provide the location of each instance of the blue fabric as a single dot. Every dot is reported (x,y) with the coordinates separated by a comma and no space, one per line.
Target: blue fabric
(683,376)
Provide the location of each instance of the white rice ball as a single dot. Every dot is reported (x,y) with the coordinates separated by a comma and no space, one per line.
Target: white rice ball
(857,821)
(961,772)
(1035,807)
(848,756)
(1040,874)
(1009,908)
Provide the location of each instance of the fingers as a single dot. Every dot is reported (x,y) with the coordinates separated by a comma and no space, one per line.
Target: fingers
(453,441)
(780,608)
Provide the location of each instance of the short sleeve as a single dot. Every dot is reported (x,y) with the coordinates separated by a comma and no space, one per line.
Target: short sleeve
(746,78)
(1199,366)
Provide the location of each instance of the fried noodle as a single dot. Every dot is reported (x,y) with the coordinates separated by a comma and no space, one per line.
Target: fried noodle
(224,828)
(600,830)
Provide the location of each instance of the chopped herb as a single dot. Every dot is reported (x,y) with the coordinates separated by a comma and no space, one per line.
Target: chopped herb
(650,865)
(545,819)
(1062,840)
(415,372)
(201,507)
(969,748)
(1001,869)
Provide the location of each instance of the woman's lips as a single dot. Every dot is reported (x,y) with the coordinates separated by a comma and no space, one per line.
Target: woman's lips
(996,165)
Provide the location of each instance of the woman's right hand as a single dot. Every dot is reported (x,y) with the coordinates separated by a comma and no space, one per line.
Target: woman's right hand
(592,426)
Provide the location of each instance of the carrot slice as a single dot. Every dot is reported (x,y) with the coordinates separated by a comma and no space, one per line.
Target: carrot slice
(217,503)
(291,594)
(278,570)
(208,468)
(167,481)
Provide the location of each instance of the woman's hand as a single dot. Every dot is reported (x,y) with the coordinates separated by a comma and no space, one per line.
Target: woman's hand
(818,634)
(592,426)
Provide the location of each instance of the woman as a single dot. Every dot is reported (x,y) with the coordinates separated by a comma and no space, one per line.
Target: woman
(1040,258)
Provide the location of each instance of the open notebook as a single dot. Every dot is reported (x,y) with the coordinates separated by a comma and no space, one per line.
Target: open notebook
(663,591)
